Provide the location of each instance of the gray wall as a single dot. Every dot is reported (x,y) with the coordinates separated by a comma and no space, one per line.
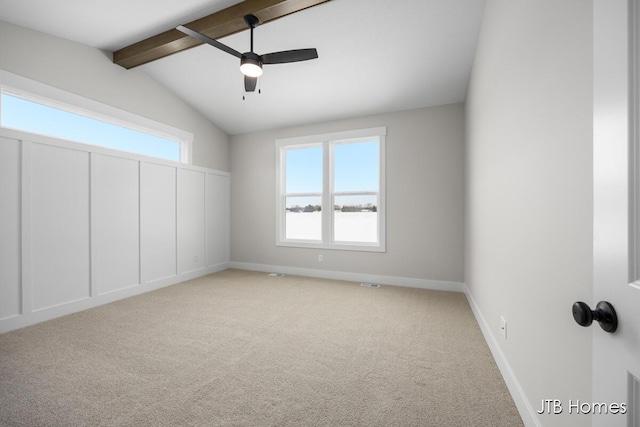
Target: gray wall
(424,193)
(529,192)
(89,72)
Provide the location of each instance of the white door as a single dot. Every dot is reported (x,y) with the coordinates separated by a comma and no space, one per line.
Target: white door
(616,356)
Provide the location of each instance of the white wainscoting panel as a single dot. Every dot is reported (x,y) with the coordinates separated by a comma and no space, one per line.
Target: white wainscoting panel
(82,226)
(59,221)
(115,213)
(218,218)
(191,222)
(10,289)
(158,221)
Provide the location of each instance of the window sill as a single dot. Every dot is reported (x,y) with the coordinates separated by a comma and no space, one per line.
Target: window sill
(357,247)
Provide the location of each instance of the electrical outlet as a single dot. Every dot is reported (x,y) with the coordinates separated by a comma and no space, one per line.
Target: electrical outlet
(320,258)
(503,327)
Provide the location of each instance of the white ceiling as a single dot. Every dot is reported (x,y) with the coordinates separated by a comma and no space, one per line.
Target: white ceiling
(375,56)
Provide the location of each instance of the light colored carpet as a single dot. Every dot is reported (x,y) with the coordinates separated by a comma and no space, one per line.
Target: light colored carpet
(240,348)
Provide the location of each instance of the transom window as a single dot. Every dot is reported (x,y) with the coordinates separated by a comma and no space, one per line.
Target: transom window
(330,191)
(33,114)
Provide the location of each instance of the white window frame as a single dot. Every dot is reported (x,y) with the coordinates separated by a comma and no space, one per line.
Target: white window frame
(33,91)
(328,141)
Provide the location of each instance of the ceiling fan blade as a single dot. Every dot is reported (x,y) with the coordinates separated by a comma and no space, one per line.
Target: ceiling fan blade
(208,40)
(250,83)
(289,56)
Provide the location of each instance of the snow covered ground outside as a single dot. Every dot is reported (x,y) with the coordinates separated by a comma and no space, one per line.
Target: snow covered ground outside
(348,226)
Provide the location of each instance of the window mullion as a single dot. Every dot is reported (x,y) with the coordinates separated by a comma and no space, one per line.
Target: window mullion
(356,193)
(303,194)
(327,193)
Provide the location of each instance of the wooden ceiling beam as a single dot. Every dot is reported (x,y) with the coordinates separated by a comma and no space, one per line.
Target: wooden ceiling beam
(217,25)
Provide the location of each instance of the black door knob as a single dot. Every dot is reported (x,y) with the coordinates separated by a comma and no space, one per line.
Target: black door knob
(604,314)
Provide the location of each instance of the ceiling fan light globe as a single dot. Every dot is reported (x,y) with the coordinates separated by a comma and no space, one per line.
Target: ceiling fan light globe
(251,70)
(250,65)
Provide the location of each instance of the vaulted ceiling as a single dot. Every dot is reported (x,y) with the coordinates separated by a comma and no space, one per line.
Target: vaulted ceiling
(375,56)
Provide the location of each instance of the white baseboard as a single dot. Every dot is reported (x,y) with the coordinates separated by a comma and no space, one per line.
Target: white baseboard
(33,317)
(517,393)
(409,282)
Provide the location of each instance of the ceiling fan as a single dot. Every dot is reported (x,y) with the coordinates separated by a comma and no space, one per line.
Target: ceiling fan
(250,62)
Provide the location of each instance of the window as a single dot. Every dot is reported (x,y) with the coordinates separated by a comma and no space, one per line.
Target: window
(303,193)
(330,191)
(34,114)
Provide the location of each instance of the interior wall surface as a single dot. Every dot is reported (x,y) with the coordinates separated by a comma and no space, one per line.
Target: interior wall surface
(90,73)
(529,197)
(83,226)
(424,199)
